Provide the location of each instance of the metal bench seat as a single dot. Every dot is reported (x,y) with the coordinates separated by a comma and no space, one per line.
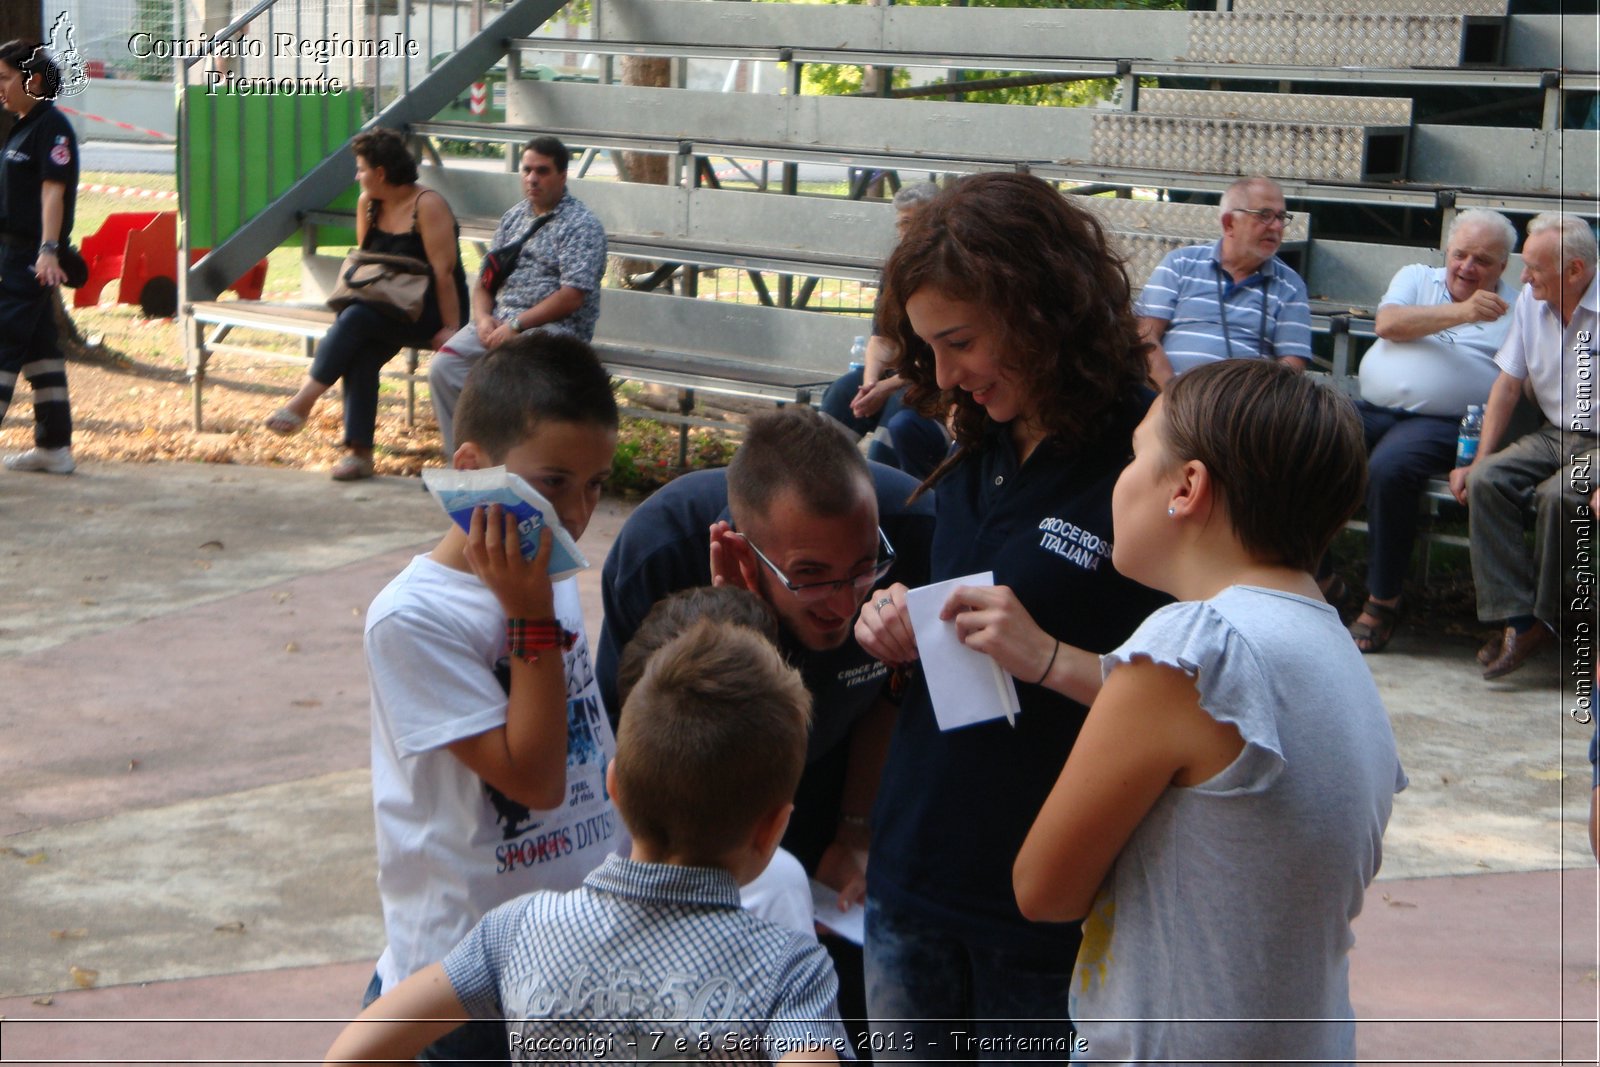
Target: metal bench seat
(777,355)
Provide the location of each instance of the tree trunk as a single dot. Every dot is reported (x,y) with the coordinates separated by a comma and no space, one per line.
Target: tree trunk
(646,167)
(25,21)
(21,21)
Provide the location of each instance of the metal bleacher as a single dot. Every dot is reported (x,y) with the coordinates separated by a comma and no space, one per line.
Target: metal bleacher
(1265,87)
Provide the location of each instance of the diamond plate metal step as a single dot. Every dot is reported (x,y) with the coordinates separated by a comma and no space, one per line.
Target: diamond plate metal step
(1376,7)
(1344,39)
(1144,231)
(1316,151)
(1189,223)
(1277,107)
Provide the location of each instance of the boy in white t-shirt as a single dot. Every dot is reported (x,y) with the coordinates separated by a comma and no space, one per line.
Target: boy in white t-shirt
(489,742)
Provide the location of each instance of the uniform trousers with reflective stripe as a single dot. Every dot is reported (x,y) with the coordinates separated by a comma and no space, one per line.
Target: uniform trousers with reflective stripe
(28,348)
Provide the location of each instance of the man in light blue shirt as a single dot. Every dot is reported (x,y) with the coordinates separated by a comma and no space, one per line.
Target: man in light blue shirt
(1232,299)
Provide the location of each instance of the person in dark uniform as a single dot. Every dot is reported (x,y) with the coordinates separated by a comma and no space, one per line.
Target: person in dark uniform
(38,194)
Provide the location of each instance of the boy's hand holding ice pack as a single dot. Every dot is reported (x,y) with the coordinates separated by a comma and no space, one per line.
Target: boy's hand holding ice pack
(459,492)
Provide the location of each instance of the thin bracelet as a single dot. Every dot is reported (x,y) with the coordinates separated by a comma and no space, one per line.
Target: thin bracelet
(1047,666)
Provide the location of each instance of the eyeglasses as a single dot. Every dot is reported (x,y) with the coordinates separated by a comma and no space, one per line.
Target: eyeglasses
(1267,216)
(811,592)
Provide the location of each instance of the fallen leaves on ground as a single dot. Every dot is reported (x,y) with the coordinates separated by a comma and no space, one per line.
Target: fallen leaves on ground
(141,409)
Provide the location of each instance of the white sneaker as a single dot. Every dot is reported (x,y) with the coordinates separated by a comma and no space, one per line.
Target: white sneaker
(47,460)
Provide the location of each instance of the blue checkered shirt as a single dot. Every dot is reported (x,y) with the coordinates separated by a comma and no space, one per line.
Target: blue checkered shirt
(646,961)
(569,250)
(1268,312)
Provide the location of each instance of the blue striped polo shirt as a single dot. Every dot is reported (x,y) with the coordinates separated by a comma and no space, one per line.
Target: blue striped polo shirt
(1267,313)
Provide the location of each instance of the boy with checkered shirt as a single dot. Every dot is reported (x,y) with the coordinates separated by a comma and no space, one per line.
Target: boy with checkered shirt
(653,958)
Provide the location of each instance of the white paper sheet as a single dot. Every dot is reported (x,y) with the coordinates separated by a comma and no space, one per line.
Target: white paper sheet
(850,925)
(967,686)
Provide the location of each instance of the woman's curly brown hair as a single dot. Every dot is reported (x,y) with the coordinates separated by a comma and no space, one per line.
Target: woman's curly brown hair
(1058,295)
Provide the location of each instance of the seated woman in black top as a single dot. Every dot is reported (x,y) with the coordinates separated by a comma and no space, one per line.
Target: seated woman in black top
(397,217)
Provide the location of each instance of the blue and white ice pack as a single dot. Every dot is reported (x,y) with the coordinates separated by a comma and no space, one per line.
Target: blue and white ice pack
(458,492)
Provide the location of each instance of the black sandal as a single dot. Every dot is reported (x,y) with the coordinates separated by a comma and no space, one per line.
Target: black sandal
(1376,637)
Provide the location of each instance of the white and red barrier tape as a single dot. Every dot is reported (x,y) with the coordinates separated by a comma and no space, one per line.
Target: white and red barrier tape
(113,122)
(122,190)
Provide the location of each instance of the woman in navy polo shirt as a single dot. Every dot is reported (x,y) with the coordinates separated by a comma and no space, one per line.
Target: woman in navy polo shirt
(1012,311)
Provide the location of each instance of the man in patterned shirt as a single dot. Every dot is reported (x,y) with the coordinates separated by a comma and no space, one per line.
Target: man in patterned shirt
(553,286)
(1232,299)
(653,958)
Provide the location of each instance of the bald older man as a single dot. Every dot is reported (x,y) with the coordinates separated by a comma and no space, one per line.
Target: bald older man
(1232,299)
(1549,350)
(1439,329)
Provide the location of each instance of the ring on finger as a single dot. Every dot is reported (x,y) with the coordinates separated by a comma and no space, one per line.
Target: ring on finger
(883,602)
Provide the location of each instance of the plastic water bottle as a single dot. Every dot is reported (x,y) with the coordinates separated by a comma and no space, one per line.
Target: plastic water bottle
(858,354)
(1467,438)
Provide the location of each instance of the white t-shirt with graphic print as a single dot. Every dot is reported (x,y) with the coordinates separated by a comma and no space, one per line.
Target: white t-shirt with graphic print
(450,846)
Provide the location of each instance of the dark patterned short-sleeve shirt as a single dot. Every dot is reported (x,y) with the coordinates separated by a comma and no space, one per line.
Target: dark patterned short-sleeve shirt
(569,250)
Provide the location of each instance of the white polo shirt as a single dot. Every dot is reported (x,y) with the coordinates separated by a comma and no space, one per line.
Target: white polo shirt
(1559,361)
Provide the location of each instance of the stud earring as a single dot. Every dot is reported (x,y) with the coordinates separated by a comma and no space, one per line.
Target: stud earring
(1172,511)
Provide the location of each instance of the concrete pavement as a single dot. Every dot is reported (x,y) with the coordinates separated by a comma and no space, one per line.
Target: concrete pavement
(187,827)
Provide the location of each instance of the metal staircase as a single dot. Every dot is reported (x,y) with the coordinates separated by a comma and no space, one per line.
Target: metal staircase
(277,43)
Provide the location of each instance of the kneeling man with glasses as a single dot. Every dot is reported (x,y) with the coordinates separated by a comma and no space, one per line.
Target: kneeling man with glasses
(802,520)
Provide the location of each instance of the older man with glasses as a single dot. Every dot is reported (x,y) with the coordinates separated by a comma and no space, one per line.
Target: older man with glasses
(1231,299)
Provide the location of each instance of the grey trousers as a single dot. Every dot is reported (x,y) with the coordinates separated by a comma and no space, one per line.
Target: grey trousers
(447,373)
(1556,470)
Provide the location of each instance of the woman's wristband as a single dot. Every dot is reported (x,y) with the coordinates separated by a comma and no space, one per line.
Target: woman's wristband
(1053,653)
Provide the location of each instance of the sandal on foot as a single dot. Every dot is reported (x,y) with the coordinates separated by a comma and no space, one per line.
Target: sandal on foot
(352,469)
(285,423)
(1377,637)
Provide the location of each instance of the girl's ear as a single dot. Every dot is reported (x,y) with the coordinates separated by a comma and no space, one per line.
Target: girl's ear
(1192,494)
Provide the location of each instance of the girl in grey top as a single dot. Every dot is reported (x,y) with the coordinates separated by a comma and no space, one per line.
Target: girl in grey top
(1222,812)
